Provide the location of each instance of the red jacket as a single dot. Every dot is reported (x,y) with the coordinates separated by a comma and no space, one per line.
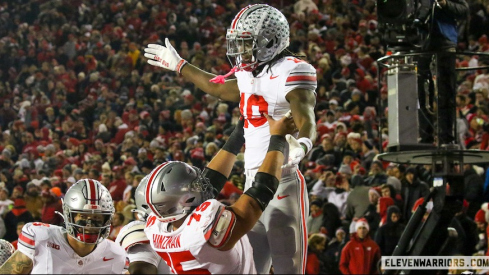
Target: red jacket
(116,189)
(312,263)
(360,256)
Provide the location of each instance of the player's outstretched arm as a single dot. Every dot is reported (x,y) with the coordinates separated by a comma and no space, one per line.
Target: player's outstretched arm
(18,263)
(250,206)
(167,57)
(221,165)
(302,103)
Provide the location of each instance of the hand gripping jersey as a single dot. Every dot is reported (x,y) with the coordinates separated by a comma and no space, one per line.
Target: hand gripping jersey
(266,93)
(133,239)
(50,253)
(189,249)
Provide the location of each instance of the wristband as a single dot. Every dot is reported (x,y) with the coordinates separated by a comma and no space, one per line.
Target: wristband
(277,143)
(180,65)
(307,143)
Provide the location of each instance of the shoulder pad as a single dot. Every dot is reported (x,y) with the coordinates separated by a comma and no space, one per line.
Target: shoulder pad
(132,234)
(222,227)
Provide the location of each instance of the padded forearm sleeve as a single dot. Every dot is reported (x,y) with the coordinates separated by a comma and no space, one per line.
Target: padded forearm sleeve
(263,190)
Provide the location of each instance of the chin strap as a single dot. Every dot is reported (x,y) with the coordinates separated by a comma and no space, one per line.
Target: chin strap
(219,79)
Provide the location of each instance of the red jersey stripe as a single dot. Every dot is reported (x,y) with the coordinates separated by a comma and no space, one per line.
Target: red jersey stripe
(301,78)
(27,240)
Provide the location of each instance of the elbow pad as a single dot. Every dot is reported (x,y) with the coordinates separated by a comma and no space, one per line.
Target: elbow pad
(263,190)
(216,179)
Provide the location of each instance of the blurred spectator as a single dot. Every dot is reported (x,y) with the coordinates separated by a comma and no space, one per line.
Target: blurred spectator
(480,221)
(116,186)
(357,203)
(361,254)
(117,224)
(314,262)
(333,252)
(315,219)
(18,214)
(469,227)
(51,205)
(5,203)
(318,180)
(33,200)
(19,231)
(331,219)
(382,206)
(7,114)
(473,191)
(388,235)
(376,175)
(412,190)
(388,191)
(372,215)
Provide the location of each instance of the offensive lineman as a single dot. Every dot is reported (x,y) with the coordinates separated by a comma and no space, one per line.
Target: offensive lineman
(81,248)
(194,233)
(143,259)
(269,80)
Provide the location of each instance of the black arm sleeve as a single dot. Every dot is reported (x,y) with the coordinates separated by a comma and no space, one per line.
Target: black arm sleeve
(216,179)
(236,139)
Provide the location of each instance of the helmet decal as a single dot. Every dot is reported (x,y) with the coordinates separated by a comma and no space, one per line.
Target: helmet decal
(266,27)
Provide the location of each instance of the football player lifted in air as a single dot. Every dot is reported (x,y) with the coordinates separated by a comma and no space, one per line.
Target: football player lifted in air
(272,80)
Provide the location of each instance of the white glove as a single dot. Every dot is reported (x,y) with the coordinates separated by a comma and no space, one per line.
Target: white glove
(164,57)
(296,152)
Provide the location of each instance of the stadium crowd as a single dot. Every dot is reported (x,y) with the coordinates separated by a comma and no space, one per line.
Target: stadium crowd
(78,100)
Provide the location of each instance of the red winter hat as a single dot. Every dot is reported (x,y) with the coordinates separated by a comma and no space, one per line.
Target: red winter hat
(130,161)
(144,114)
(480,216)
(74,141)
(320,169)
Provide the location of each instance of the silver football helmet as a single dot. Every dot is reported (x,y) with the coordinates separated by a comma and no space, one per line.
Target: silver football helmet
(257,34)
(174,189)
(85,198)
(6,250)
(142,208)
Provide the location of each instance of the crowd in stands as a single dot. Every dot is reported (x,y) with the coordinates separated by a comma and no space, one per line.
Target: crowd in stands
(78,100)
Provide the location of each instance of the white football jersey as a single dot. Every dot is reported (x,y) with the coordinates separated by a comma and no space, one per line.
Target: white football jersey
(187,249)
(133,239)
(266,94)
(50,253)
